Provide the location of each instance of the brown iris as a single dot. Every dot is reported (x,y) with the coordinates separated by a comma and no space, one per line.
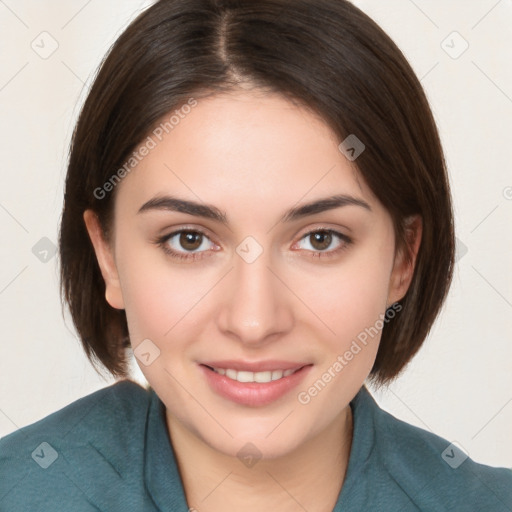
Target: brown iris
(190,241)
(320,240)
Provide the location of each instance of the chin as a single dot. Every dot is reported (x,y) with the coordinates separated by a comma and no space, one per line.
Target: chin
(249,448)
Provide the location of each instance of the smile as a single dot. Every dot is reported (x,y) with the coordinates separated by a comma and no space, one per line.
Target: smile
(261,377)
(254,388)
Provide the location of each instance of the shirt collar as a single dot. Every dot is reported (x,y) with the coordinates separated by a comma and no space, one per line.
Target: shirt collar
(161,473)
(353,491)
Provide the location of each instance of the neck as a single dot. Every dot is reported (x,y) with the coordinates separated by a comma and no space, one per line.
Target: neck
(215,482)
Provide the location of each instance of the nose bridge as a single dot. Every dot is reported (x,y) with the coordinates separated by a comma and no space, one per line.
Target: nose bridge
(254,307)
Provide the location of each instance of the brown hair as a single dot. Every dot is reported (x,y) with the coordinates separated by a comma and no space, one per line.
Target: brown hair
(325,54)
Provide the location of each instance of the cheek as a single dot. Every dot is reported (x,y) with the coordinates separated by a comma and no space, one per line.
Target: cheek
(162,302)
(350,301)
(350,298)
(146,288)
(153,303)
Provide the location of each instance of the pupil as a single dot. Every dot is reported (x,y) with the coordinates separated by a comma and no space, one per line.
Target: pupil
(321,240)
(190,241)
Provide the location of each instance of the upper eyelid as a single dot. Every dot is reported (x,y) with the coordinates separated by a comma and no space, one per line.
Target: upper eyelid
(205,232)
(172,234)
(344,238)
(334,231)
(190,229)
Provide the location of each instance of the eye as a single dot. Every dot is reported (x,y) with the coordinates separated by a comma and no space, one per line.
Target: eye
(192,244)
(191,241)
(185,244)
(324,241)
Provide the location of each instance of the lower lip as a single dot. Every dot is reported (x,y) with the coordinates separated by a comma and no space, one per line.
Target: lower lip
(253,394)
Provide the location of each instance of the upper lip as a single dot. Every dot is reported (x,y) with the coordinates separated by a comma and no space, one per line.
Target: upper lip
(255,366)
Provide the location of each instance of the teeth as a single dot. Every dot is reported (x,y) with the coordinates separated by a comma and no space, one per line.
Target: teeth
(231,374)
(261,377)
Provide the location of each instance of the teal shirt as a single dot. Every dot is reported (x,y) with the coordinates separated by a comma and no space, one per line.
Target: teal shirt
(110,452)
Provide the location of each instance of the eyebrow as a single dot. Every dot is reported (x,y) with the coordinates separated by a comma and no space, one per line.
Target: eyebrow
(170,203)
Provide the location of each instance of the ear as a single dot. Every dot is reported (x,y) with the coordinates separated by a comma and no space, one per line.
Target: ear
(106,261)
(405,260)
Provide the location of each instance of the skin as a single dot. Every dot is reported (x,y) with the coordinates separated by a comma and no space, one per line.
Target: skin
(253,156)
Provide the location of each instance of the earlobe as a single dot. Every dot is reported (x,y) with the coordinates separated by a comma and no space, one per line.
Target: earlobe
(404,265)
(106,261)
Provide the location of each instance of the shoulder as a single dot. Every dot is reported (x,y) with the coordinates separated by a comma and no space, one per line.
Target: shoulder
(98,436)
(435,473)
(106,407)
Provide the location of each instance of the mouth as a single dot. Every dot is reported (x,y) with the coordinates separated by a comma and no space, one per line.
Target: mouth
(247,376)
(261,385)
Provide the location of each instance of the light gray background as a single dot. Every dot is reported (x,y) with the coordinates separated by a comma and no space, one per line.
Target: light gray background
(460,384)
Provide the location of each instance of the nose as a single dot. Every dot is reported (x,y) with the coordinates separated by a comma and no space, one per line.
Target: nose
(255,308)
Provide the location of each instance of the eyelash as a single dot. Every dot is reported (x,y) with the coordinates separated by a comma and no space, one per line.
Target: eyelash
(193,256)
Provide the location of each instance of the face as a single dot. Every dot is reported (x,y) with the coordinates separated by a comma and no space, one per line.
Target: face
(219,263)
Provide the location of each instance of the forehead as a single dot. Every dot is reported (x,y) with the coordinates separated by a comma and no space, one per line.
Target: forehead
(252,147)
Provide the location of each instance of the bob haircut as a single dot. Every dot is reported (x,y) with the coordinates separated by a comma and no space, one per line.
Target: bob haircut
(324,55)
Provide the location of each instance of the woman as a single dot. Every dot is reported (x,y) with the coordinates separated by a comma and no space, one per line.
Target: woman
(257,203)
